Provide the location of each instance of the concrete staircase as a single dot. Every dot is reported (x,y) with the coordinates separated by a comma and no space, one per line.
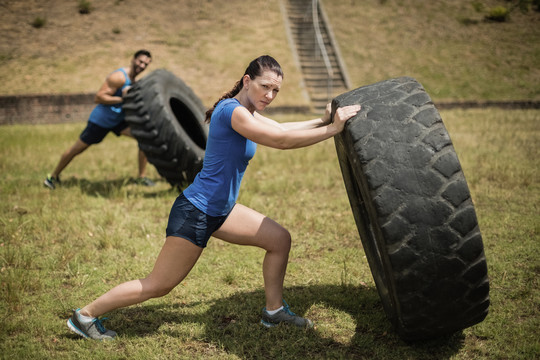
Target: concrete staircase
(316,51)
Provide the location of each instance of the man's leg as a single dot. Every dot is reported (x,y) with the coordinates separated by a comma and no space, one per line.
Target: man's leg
(68,155)
(53,179)
(142,164)
(142,160)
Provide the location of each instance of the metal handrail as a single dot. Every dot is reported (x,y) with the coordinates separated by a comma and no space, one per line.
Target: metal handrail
(319,41)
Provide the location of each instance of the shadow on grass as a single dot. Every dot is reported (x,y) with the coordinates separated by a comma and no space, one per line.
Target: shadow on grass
(115,187)
(232,324)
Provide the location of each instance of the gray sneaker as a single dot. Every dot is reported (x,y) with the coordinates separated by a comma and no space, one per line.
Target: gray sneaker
(285,316)
(51,182)
(145,181)
(90,330)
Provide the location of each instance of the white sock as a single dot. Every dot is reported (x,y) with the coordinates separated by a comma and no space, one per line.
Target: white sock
(84,318)
(273,312)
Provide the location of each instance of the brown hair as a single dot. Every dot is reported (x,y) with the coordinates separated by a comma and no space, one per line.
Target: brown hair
(254,69)
(142,52)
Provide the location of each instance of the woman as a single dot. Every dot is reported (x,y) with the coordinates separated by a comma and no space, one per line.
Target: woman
(208,206)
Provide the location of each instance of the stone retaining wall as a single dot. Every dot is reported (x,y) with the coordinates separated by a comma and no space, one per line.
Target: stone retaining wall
(45,109)
(53,109)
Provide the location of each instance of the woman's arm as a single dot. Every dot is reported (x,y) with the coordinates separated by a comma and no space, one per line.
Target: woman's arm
(299,125)
(264,131)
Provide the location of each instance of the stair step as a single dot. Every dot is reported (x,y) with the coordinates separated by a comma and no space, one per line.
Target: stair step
(313,66)
(317,82)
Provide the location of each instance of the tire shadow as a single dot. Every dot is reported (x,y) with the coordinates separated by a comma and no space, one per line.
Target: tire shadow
(232,324)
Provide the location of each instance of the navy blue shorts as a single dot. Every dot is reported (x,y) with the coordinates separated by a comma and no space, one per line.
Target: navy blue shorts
(94,134)
(188,222)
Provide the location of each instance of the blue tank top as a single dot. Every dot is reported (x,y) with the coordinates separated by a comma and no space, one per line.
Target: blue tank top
(109,116)
(215,188)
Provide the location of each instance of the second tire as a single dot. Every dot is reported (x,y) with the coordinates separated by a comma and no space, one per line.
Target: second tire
(167,119)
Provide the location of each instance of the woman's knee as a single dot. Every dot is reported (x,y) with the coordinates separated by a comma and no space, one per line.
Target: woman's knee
(282,240)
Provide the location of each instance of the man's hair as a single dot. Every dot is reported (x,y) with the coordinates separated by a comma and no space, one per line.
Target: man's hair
(142,52)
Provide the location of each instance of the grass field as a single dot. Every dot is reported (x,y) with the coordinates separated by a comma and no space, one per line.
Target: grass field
(60,249)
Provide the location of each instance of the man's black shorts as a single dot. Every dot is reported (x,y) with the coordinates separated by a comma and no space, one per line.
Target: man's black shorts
(94,134)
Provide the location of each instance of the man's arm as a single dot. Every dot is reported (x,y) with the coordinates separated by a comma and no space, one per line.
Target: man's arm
(105,94)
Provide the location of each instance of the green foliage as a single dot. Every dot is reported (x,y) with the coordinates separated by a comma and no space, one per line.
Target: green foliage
(39,22)
(85,7)
(60,249)
(498,13)
(478,6)
(525,5)
(502,13)
(467,20)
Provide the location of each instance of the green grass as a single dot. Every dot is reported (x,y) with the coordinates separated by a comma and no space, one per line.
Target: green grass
(61,249)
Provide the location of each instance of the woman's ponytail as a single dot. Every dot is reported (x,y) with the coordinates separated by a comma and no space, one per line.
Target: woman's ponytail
(232,93)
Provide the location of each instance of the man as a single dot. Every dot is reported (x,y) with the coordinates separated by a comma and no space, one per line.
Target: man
(107,116)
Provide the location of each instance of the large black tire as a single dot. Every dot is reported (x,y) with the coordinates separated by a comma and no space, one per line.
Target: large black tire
(167,119)
(413,210)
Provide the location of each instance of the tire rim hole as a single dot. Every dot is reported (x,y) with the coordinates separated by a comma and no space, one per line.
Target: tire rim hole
(189,122)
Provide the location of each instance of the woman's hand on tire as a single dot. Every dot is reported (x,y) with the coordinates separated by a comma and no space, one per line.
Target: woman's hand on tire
(343,114)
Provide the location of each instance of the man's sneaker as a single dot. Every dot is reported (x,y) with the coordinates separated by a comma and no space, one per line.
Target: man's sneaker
(145,181)
(92,329)
(51,181)
(285,316)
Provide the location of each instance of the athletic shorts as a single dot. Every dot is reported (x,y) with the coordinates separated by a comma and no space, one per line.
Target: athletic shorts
(94,134)
(190,223)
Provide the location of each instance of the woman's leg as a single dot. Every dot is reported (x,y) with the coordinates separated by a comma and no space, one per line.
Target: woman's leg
(245,226)
(176,259)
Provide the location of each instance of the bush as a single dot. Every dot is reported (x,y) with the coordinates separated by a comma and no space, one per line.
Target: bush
(478,6)
(498,13)
(85,7)
(467,21)
(39,22)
